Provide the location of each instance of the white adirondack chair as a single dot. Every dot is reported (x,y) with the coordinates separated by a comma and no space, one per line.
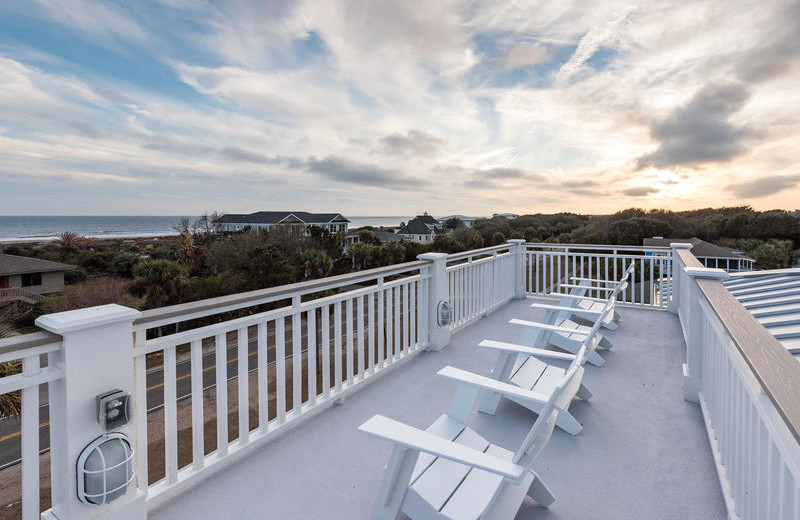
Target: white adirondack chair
(577,296)
(450,472)
(520,365)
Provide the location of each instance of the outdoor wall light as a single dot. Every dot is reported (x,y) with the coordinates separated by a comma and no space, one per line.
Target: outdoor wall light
(113,409)
(105,468)
(444,314)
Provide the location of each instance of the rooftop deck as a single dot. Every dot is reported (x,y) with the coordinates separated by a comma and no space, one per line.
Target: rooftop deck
(644,451)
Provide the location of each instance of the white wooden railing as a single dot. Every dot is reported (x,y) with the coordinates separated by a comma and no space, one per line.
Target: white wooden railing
(747,386)
(550,266)
(479,281)
(28,351)
(19,293)
(308,353)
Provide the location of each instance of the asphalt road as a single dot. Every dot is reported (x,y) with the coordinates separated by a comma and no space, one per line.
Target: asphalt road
(10,443)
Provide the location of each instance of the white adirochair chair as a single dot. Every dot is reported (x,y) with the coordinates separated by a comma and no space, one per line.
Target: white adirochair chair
(520,366)
(577,296)
(449,471)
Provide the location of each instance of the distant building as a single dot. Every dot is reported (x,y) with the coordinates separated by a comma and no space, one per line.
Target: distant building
(421,229)
(232,222)
(32,275)
(467,221)
(507,216)
(711,255)
(381,236)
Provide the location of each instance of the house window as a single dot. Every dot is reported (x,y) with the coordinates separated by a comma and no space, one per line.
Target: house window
(31,279)
(3,282)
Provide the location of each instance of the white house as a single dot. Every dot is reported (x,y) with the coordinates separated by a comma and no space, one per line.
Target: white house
(467,221)
(332,222)
(32,275)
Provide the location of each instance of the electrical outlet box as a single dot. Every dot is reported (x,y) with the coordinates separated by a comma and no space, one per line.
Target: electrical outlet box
(113,409)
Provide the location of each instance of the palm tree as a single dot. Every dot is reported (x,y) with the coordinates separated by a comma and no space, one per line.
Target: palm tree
(10,402)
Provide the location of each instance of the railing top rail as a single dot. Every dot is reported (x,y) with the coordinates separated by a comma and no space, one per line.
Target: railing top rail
(598,246)
(688,259)
(17,345)
(475,252)
(773,366)
(211,306)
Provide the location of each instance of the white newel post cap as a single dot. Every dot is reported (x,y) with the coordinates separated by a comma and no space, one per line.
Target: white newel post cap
(96,356)
(680,245)
(707,272)
(516,241)
(91,317)
(433,257)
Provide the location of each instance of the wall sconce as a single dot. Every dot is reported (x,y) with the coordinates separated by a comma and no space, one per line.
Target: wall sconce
(105,468)
(444,314)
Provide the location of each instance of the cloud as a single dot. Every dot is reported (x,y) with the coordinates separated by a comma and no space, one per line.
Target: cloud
(84,128)
(340,169)
(414,143)
(764,186)
(500,177)
(640,191)
(700,131)
(526,54)
(239,154)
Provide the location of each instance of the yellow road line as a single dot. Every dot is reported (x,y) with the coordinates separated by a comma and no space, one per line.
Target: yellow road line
(18,433)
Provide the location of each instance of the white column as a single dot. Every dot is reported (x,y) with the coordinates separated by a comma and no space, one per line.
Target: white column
(677,275)
(96,356)
(518,250)
(438,336)
(693,368)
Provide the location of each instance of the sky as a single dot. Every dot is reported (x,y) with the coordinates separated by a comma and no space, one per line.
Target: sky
(168,107)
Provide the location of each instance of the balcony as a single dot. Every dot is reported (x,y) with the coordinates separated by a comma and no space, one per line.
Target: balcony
(694,414)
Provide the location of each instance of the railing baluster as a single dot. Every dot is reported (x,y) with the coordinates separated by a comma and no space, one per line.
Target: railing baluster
(30,441)
(170,416)
(311,354)
(140,410)
(280,369)
(381,295)
(262,358)
(349,342)
(361,332)
(406,318)
(396,343)
(297,357)
(243,378)
(337,342)
(221,371)
(371,333)
(326,351)
(413,299)
(198,427)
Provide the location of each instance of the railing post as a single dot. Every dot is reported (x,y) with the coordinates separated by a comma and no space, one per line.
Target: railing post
(438,336)
(518,250)
(96,357)
(693,368)
(677,276)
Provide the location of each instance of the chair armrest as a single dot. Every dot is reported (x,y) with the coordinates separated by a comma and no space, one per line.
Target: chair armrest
(587,287)
(544,326)
(521,349)
(571,310)
(596,280)
(492,385)
(420,440)
(578,297)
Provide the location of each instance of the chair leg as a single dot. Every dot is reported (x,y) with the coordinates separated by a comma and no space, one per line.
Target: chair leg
(610,325)
(605,343)
(568,423)
(540,492)
(584,393)
(596,359)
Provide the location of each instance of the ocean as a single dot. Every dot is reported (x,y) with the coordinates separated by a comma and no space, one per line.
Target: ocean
(34,228)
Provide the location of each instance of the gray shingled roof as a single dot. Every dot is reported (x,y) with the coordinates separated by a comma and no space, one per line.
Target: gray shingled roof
(699,247)
(13,264)
(773,298)
(415,227)
(275,217)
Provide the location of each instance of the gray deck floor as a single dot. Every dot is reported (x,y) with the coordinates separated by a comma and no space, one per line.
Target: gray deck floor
(643,453)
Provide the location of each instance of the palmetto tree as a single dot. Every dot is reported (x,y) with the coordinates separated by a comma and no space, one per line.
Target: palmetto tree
(10,402)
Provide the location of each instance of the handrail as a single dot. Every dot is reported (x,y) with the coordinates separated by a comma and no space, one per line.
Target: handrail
(17,346)
(210,306)
(600,247)
(475,252)
(773,366)
(688,259)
